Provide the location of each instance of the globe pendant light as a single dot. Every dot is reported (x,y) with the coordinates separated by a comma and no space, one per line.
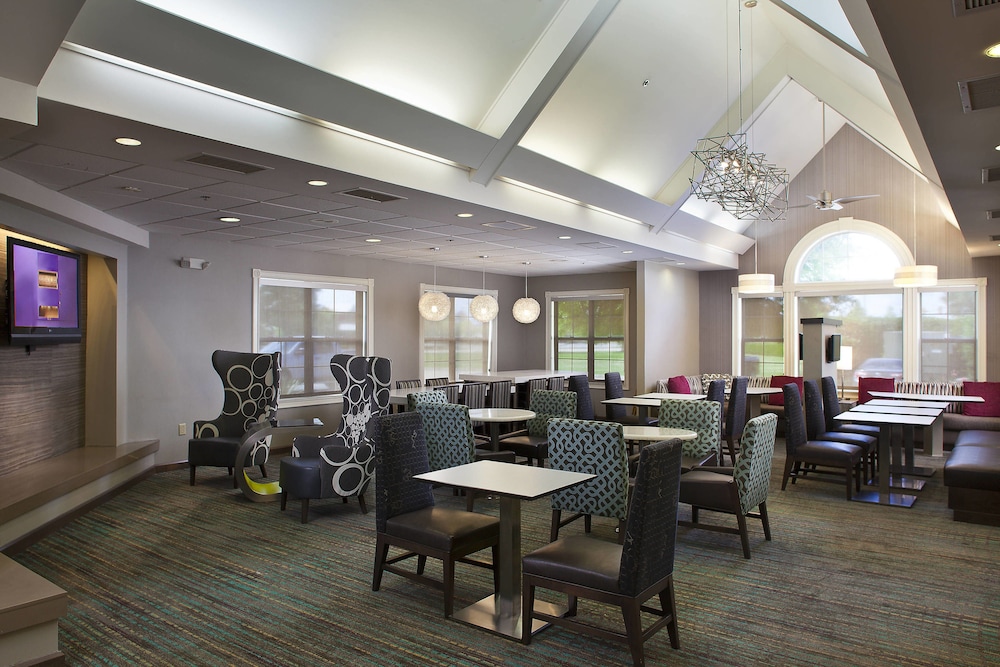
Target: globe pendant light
(484,307)
(915,275)
(434,305)
(526,310)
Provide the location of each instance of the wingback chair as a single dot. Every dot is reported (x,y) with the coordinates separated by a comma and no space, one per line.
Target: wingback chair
(342,463)
(741,489)
(250,396)
(702,417)
(532,442)
(591,447)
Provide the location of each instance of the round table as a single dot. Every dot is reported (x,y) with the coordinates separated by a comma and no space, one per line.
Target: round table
(657,433)
(496,416)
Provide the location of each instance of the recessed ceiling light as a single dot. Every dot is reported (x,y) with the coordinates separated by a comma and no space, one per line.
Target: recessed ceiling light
(131,188)
(317,184)
(993,51)
(626,252)
(229,218)
(997,147)
(373,240)
(128,141)
(680,263)
(463,215)
(565,238)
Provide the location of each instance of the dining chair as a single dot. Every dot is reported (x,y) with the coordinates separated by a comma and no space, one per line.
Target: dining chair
(736,415)
(250,397)
(717,393)
(499,394)
(816,427)
(531,442)
(817,455)
(473,395)
(450,440)
(702,417)
(437,382)
(613,388)
(591,447)
(527,388)
(740,489)
(408,384)
(831,408)
(627,575)
(580,385)
(406,517)
(556,383)
(452,391)
(418,398)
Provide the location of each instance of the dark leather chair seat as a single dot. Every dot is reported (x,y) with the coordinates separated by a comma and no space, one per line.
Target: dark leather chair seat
(828,452)
(578,559)
(444,528)
(302,474)
(704,487)
(974,466)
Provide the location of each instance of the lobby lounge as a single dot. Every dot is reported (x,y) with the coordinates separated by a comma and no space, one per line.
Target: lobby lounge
(94,435)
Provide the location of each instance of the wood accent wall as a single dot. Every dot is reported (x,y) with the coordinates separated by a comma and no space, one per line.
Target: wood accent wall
(41,394)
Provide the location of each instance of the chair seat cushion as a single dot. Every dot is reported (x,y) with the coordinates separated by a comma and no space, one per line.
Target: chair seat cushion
(578,559)
(443,528)
(863,429)
(536,446)
(214,451)
(865,442)
(301,477)
(705,488)
(827,452)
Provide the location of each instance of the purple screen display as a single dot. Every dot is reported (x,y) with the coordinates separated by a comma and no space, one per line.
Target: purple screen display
(44,289)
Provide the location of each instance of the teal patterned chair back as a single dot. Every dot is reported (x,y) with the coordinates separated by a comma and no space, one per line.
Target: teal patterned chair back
(591,447)
(448,432)
(703,417)
(420,397)
(547,404)
(752,471)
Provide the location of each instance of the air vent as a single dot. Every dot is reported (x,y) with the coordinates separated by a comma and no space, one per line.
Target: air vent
(597,245)
(963,7)
(218,162)
(991,174)
(993,215)
(371,195)
(507,225)
(980,93)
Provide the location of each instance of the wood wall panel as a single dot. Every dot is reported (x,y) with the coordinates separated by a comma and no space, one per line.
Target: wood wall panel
(41,394)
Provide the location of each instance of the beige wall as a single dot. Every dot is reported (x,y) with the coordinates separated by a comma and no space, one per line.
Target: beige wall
(668,323)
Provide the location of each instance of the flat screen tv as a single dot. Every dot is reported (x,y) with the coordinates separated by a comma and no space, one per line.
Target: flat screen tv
(43,294)
(833,348)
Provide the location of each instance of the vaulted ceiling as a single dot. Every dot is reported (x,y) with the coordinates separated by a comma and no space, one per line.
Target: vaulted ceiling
(541,118)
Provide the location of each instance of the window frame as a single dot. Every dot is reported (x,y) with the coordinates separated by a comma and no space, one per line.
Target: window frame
(612,294)
(313,281)
(451,292)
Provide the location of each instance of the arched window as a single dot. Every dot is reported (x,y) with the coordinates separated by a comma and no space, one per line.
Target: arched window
(847,257)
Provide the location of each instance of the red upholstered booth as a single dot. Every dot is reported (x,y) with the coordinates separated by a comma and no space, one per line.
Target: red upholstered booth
(866,385)
(780,381)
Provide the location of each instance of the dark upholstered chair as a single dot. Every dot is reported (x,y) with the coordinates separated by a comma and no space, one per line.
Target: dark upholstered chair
(474,395)
(531,443)
(420,397)
(816,427)
(738,490)
(580,385)
(831,408)
(342,463)
(816,455)
(499,394)
(450,440)
(717,393)
(556,383)
(613,388)
(452,391)
(736,415)
(525,389)
(592,447)
(250,396)
(408,384)
(437,382)
(406,517)
(702,417)
(628,574)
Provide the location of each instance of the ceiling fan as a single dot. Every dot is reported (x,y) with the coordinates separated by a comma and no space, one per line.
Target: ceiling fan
(825,200)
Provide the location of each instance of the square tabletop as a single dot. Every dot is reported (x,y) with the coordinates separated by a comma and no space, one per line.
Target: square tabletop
(882,418)
(898,409)
(961,398)
(508,479)
(907,403)
(660,395)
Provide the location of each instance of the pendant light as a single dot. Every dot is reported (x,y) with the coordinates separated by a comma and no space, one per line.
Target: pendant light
(434,305)
(484,307)
(755,283)
(526,310)
(915,275)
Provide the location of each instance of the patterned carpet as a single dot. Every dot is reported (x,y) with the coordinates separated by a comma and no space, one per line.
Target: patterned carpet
(167,574)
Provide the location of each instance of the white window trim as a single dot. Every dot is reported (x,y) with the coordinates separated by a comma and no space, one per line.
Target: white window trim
(460,291)
(312,280)
(584,295)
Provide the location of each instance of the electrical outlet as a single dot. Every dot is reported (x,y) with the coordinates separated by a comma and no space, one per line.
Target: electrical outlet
(182,429)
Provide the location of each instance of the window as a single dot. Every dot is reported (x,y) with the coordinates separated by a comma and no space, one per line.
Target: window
(588,331)
(459,343)
(309,319)
(763,344)
(947,335)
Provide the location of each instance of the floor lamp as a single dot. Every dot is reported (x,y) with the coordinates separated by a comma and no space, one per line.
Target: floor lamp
(845,363)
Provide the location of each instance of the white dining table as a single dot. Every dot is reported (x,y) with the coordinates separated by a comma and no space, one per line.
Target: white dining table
(516,377)
(936,430)
(496,416)
(657,433)
(511,483)
(651,400)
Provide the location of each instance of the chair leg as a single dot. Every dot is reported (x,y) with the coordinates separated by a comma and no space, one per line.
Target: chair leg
(694,514)
(364,505)
(554,531)
(421,563)
(284,499)
(305,510)
(741,521)
(263,470)
(789,461)
(667,602)
(192,474)
(586,523)
(765,522)
(527,609)
(470,500)
(633,630)
(235,483)
(621,531)
(449,585)
(381,552)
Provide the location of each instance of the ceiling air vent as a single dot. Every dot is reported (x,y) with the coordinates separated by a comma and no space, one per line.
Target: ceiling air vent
(371,195)
(963,7)
(980,93)
(991,174)
(218,162)
(993,215)
(507,226)
(597,245)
